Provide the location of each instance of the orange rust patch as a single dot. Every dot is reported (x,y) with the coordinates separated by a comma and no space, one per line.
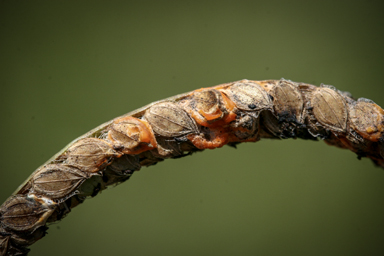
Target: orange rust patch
(146,139)
(230,106)
(212,112)
(212,116)
(218,139)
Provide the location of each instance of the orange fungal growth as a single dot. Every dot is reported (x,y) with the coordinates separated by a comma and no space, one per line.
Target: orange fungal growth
(210,108)
(218,138)
(230,106)
(206,107)
(211,116)
(131,135)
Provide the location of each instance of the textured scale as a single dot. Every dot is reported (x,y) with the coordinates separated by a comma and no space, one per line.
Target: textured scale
(330,109)
(249,96)
(208,118)
(288,107)
(169,120)
(287,99)
(367,119)
(21,213)
(57,181)
(89,154)
(25,238)
(7,247)
(4,243)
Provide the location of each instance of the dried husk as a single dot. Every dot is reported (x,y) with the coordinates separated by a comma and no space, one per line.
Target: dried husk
(8,248)
(126,163)
(22,213)
(65,207)
(24,239)
(167,147)
(249,96)
(169,120)
(271,123)
(90,154)
(4,243)
(246,127)
(121,169)
(17,251)
(329,108)
(147,158)
(92,186)
(57,181)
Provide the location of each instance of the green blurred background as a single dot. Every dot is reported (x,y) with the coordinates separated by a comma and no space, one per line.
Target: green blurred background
(68,66)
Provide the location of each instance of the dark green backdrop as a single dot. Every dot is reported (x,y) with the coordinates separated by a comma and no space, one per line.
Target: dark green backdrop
(68,66)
